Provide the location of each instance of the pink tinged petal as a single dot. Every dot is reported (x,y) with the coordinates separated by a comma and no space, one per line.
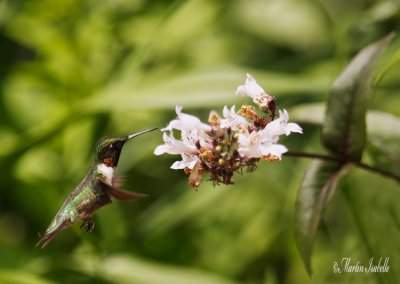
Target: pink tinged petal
(250,88)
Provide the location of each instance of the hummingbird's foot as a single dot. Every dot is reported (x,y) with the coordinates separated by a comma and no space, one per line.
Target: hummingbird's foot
(88,225)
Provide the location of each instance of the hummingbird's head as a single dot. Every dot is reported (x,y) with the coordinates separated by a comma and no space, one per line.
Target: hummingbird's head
(108,148)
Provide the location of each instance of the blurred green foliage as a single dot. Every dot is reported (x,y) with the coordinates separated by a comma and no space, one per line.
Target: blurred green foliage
(73,71)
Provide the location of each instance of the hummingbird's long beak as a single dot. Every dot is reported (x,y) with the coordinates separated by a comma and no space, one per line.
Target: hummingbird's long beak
(140,133)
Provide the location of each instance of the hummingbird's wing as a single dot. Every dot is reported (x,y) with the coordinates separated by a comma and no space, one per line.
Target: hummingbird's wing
(121,194)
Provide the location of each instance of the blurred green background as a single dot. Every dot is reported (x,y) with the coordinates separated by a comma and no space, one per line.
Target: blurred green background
(72,71)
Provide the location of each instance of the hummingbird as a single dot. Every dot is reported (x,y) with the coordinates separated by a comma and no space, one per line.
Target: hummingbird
(95,190)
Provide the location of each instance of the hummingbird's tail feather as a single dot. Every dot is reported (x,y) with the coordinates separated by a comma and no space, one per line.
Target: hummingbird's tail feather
(50,234)
(44,241)
(125,195)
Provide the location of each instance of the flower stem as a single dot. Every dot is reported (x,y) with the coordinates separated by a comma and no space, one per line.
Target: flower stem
(338,159)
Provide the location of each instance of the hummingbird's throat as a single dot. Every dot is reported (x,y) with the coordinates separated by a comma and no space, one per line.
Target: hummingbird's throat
(108,161)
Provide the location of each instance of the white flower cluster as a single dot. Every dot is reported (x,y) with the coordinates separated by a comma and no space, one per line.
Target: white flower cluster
(227,144)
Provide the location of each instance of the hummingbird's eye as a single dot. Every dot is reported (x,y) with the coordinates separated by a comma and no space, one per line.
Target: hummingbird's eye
(111,145)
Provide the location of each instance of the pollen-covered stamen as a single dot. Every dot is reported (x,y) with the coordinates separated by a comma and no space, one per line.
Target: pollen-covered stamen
(206,154)
(270,158)
(249,112)
(214,119)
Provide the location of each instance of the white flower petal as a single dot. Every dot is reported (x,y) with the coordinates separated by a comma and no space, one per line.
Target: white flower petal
(250,144)
(160,149)
(281,126)
(186,122)
(174,146)
(188,161)
(275,150)
(190,122)
(232,119)
(293,127)
(250,88)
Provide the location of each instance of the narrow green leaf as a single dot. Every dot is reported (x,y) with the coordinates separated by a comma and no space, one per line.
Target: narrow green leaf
(315,192)
(344,129)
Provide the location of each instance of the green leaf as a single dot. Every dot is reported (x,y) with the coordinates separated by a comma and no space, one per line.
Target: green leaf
(315,192)
(344,129)
(385,153)
(392,62)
